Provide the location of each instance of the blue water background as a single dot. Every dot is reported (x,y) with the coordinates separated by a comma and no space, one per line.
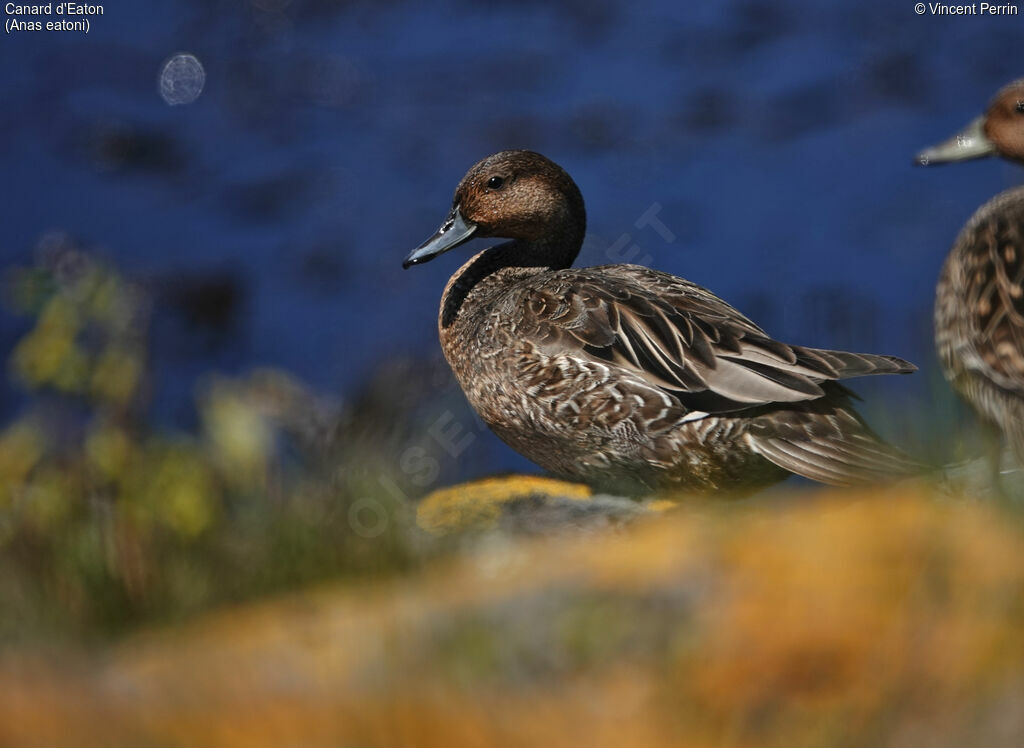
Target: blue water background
(777,138)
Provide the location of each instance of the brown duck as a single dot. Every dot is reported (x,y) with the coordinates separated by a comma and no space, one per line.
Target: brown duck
(626,378)
(979,303)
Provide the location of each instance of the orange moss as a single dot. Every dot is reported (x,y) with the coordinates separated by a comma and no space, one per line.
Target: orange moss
(477,504)
(845,619)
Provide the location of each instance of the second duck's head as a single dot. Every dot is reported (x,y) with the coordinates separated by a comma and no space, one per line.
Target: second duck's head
(1000,130)
(513,195)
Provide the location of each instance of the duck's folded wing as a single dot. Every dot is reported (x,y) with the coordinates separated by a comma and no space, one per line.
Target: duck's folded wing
(682,338)
(994,274)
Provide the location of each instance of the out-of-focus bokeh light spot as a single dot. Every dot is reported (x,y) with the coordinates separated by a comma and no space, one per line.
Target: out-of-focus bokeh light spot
(241,437)
(182,79)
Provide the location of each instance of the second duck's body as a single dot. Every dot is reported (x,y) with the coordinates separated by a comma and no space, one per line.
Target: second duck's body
(979,315)
(979,302)
(624,377)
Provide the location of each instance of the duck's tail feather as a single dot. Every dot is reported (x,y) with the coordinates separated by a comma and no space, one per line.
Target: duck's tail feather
(825,440)
(848,364)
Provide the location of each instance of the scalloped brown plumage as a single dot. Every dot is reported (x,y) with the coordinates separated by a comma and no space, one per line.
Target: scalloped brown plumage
(979,302)
(627,378)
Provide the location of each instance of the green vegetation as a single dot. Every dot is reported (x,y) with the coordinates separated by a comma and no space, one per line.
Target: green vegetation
(107,521)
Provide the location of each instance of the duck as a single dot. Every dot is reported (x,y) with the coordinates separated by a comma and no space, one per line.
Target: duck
(628,379)
(979,300)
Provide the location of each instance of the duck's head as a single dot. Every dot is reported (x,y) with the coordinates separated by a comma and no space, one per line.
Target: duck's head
(1000,130)
(514,195)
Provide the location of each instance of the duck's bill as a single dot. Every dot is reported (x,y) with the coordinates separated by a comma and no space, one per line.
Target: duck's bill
(453,232)
(971,142)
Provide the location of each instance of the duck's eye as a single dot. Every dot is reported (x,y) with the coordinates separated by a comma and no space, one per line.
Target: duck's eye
(496,183)
(1020,106)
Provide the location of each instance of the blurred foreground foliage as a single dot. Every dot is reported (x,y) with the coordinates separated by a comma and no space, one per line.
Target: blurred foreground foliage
(108,521)
(880,618)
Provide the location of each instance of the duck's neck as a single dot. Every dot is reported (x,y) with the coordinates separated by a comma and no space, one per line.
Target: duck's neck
(555,251)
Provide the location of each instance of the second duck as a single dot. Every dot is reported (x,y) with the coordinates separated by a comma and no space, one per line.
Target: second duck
(979,302)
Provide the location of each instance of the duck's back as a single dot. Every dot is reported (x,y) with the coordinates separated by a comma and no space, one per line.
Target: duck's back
(676,335)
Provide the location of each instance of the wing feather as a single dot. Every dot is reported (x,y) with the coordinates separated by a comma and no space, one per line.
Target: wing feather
(681,338)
